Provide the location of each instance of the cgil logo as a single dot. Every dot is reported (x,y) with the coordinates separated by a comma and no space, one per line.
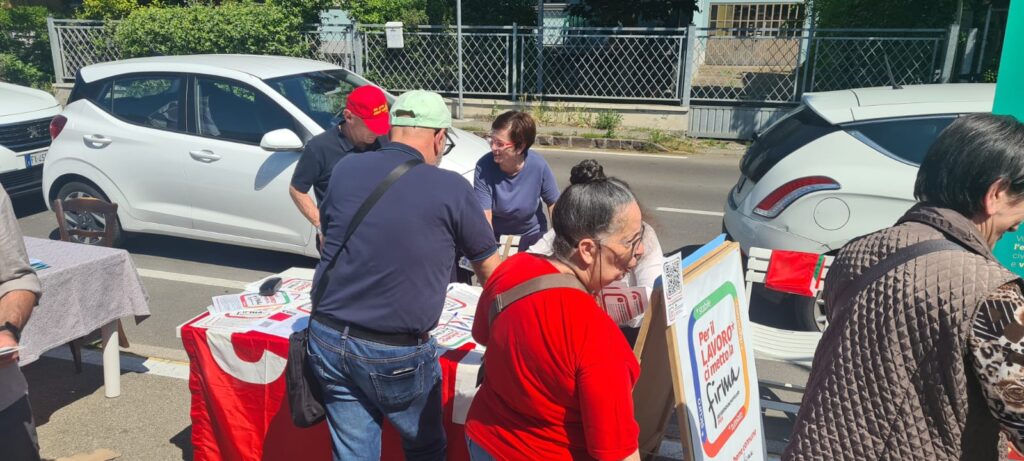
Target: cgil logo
(381,109)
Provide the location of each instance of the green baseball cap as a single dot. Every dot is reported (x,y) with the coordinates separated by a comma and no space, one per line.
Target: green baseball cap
(421,108)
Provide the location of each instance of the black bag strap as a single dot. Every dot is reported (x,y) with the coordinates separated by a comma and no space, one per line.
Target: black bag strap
(901,256)
(357,219)
(529,287)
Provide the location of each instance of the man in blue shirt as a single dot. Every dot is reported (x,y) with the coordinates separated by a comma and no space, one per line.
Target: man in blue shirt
(369,339)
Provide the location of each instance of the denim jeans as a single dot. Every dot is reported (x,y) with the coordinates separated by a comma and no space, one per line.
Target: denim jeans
(364,382)
(476,452)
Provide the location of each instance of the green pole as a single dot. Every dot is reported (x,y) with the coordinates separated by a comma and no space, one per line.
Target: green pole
(1010,100)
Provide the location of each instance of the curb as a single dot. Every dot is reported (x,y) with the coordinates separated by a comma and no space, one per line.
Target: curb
(580,142)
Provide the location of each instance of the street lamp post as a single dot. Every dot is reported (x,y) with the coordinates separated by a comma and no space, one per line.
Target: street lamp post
(458,26)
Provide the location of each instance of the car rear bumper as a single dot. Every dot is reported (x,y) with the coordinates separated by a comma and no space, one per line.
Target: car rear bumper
(757,232)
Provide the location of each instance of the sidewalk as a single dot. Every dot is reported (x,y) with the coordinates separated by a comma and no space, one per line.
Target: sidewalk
(149,421)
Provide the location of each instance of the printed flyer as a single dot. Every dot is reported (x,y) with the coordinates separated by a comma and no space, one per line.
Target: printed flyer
(717,363)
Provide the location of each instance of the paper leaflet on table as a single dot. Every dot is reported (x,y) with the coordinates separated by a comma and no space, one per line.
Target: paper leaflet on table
(277,320)
(235,302)
(455,327)
(292,285)
(624,304)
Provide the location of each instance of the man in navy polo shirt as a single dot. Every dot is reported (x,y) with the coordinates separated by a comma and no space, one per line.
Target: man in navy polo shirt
(369,339)
(365,119)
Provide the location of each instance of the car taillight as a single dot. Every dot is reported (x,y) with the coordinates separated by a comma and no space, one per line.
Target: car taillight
(780,198)
(56,125)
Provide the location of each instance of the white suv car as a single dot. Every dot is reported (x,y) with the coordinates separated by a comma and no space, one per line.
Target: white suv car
(841,165)
(204,146)
(25,116)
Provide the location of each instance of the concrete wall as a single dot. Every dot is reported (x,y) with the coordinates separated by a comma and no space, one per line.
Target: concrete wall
(653,116)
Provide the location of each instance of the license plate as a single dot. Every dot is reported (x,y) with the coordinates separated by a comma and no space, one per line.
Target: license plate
(37,158)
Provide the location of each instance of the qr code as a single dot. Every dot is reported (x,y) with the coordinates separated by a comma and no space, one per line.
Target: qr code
(673,280)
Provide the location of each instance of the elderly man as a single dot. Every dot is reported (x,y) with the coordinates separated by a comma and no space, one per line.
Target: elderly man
(369,342)
(19,291)
(365,120)
(923,357)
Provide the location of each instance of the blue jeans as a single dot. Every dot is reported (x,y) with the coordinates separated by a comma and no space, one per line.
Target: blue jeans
(476,452)
(364,381)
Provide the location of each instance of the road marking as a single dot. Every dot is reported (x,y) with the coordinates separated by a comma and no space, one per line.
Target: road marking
(619,154)
(129,362)
(188,278)
(685,211)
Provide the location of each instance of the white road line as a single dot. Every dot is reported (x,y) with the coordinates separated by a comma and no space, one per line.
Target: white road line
(685,211)
(601,152)
(195,279)
(129,362)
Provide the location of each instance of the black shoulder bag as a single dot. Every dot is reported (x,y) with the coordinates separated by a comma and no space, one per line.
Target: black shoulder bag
(304,394)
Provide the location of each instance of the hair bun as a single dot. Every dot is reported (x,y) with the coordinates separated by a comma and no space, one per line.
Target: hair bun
(586,171)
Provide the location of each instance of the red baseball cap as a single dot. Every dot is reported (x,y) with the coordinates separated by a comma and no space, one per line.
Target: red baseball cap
(369,104)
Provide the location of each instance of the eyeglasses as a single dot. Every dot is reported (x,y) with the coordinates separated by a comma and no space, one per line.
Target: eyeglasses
(634,243)
(497,143)
(449,143)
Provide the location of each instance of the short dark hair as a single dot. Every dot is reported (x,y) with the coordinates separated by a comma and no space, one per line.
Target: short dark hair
(522,130)
(970,155)
(588,207)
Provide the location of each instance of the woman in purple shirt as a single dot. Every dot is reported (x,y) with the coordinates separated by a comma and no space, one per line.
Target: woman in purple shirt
(514,183)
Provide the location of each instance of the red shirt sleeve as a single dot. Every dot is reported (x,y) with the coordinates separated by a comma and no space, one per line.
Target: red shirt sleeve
(605,380)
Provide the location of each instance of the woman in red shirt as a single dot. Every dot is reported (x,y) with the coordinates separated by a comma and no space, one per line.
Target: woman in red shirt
(560,374)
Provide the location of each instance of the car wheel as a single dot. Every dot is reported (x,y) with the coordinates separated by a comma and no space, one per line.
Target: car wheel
(88,221)
(810,312)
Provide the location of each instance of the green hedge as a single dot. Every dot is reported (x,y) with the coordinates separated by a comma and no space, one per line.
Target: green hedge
(229,28)
(25,46)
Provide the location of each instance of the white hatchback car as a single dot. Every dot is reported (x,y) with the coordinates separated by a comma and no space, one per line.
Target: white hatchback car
(841,165)
(25,115)
(204,146)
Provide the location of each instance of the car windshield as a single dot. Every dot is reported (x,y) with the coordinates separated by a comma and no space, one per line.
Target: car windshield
(321,95)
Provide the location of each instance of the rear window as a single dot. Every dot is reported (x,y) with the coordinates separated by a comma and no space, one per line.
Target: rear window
(794,131)
(907,140)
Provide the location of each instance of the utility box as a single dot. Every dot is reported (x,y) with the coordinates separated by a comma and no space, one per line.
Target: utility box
(393,33)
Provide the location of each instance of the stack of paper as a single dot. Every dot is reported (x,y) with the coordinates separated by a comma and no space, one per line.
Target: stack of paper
(455,327)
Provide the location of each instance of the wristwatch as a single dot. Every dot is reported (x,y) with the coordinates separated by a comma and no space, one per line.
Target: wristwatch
(8,326)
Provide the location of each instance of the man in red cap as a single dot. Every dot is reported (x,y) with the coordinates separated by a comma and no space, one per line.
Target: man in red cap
(366,119)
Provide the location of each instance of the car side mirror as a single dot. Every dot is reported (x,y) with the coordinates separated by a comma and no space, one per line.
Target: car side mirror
(281,140)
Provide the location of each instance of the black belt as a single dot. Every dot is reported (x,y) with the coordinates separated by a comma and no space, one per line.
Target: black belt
(356,331)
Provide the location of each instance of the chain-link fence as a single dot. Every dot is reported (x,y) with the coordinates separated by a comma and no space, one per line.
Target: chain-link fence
(76,44)
(778,65)
(632,64)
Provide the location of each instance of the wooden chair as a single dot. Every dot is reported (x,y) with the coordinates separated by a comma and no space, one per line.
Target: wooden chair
(796,347)
(87,210)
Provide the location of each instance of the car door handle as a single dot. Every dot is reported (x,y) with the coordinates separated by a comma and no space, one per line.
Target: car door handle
(97,139)
(204,156)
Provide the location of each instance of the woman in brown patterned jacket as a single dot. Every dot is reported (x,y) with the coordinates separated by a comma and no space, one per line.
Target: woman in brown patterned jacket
(924,358)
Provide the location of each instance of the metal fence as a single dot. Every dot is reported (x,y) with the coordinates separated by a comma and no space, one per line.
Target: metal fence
(705,65)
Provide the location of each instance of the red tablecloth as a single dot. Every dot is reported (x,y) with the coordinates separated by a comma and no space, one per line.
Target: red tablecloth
(239,409)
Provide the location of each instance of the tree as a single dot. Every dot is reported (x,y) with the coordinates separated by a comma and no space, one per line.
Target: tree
(625,13)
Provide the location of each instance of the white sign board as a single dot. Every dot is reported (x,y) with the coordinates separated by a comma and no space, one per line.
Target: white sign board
(393,34)
(714,361)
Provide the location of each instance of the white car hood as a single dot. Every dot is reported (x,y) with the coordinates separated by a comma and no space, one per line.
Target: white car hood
(20,100)
(468,150)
